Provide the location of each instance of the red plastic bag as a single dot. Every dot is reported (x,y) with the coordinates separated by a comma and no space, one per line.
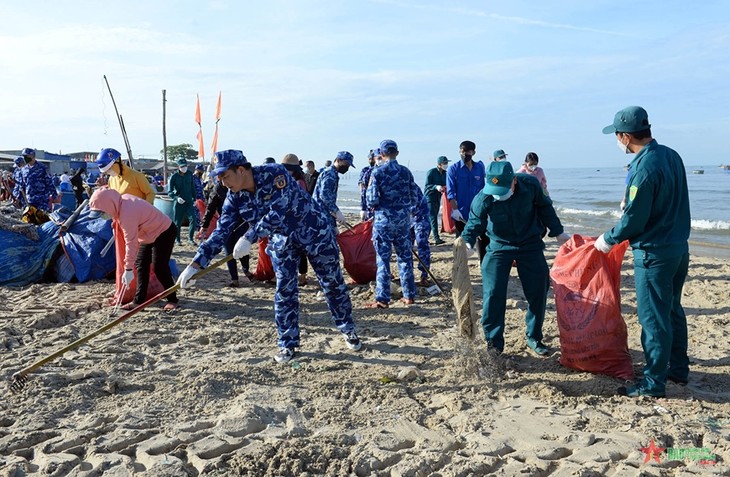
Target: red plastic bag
(264,267)
(358,252)
(153,288)
(587,284)
(447,223)
(211,227)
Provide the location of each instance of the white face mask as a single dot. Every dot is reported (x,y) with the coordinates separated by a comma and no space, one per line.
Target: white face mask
(531,167)
(111,172)
(184,169)
(624,148)
(503,197)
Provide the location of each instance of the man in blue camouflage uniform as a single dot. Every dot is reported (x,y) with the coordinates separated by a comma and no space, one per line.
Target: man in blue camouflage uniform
(36,182)
(325,191)
(392,195)
(420,230)
(182,191)
(18,198)
(271,201)
(362,183)
(657,223)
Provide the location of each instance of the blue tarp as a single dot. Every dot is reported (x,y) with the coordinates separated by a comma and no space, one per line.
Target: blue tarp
(24,261)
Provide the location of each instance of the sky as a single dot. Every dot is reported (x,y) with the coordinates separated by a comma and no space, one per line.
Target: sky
(317,77)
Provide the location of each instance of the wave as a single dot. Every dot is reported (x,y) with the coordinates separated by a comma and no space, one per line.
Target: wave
(703,224)
(598,213)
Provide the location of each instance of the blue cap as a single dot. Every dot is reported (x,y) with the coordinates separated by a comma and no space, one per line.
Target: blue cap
(388,147)
(345,156)
(106,158)
(227,159)
(28,151)
(629,120)
(19,160)
(499,178)
(200,167)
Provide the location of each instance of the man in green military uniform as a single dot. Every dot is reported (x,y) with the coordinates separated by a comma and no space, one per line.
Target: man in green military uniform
(435,184)
(513,210)
(656,222)
(182,191)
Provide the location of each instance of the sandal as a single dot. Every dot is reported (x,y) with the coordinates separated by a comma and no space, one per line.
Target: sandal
(170,306)
(377,304)
(129,306)
(407,301)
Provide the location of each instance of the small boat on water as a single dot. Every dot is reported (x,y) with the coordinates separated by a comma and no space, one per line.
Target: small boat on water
(698,171)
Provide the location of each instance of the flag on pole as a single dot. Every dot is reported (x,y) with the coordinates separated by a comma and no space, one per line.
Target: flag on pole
(214,145)
(201,149)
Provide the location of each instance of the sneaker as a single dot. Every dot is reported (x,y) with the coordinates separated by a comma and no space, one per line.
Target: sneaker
(352,341)
(538,347)
(284,355)
(439,242)
(680,381)
(638,390)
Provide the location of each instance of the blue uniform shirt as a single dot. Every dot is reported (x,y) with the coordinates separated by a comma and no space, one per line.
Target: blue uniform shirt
(363,181)
(391,188)
(464,184)
(325,191)
(38,186)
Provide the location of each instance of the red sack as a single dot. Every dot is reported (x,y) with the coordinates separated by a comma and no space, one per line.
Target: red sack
(447,223)
(211,227)
(264,267)
(587,284)
(358,252)
(153,288)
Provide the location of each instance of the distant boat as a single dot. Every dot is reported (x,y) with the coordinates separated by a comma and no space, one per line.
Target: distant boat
(698,171)
(725,167)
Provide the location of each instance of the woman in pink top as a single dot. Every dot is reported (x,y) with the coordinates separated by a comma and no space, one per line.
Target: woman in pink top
(149,235)
(530,167)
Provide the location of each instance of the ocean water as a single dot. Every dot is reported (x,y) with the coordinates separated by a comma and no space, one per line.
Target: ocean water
(587,201)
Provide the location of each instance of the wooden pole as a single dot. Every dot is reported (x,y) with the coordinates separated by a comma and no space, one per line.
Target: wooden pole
(164,138)
(121,125)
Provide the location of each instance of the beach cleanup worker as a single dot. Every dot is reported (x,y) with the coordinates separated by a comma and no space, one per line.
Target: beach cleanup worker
(149,236)
(198,181)
(499,155)
(216,198)
(325,192)
(37,182)
(464,180)
(513,210)
(122,178)
(311,176)
(18,199)
(267,198)
(182,192)
(362,184)
(392,195)
(530,167)
(294,166)
(656,222)
(77,183)
(420,230)
(435,184)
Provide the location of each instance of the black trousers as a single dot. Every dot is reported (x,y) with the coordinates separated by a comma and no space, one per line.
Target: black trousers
(157,254)
(482,240)
(230,244)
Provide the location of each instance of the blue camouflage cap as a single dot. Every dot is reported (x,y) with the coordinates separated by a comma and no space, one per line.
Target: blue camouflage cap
(227,159)
(388,146)
(19,160)
(345,156)
(28,151)
(200,167)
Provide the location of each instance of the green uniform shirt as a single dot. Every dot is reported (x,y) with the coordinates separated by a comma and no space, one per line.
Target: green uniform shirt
(656,220)
(181,185)
(516,223)
(434,177)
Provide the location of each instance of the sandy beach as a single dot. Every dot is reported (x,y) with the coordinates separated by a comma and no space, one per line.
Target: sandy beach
(197,392)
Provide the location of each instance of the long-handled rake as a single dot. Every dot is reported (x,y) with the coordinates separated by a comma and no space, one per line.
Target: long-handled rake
(20,378)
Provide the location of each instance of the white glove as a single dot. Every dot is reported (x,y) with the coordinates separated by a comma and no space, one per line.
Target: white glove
(469,250)
(439,188)
(180,200)
(456,215)
(562,238)
(340,217)
(601,245)
(242,248)
(127,277)
(184,280)
(363,215)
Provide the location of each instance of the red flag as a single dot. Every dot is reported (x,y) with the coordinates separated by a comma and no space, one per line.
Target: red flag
(197,111)
(214,146)
(218,108)
(201,149)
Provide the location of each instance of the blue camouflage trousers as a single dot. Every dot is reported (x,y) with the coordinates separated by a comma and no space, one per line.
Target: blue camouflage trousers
(393,231)
(420,231)
(324,256)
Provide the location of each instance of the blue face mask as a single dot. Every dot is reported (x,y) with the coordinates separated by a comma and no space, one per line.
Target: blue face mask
(504,197)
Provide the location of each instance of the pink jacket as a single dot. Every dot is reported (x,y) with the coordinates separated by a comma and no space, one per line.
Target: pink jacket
(140,221)
(538,173)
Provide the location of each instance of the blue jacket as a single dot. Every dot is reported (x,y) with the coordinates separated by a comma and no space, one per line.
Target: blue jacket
(391,189)
(38,185)
(325,191)
(463,184)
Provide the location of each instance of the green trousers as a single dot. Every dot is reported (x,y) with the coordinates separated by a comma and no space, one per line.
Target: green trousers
(659,283)
(433,216)
(180,211)
(534,274)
